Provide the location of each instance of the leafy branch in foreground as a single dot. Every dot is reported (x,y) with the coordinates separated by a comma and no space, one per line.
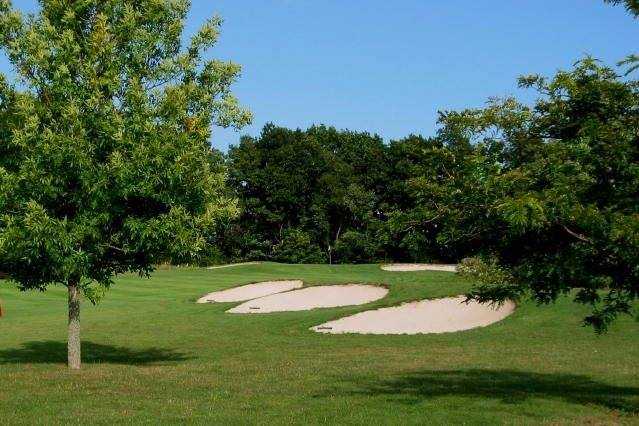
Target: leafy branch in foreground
(632,6)
(572,225)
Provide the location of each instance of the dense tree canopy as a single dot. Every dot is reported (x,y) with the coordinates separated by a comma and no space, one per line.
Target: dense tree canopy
(302,192)
(105,161)
(572,220)
(547,196)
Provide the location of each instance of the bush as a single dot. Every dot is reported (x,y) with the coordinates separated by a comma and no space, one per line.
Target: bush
(296,247)
(355,247)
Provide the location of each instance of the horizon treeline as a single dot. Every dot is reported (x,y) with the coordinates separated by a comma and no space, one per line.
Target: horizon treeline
(324,195)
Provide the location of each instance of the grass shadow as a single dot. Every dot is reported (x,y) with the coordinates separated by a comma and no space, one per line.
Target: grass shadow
(509,386)
(55,352)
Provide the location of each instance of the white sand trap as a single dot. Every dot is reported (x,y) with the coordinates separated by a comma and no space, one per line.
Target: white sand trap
(426,316)
(250,291)
(411,267)
(313,297)
(231,265)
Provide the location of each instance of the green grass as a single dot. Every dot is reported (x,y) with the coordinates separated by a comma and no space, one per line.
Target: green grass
(151,355)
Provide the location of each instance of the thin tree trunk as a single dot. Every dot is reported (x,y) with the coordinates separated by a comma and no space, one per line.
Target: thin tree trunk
(73,343)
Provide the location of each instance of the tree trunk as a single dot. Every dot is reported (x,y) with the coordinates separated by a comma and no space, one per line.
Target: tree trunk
(73,342)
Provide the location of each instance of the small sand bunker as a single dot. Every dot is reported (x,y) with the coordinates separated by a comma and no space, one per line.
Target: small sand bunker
(411,267)
(426,316)
(231,265)
(250,291)
(313,297)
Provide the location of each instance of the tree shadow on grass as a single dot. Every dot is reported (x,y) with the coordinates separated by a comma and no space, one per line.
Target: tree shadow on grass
(54,352)
(509,386)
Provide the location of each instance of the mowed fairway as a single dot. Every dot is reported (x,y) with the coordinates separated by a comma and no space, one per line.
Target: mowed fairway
(152,355)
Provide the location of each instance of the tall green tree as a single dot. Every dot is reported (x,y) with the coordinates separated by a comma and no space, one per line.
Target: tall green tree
(571,223)
(105,161)
(301,191)
(277,178)
(444,188)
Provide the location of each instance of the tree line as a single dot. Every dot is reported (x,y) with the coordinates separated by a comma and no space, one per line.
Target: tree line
(541,197)
(324,195)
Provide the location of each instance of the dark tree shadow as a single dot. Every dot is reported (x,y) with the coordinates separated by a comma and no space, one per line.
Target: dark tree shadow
(509,386)
(54,352)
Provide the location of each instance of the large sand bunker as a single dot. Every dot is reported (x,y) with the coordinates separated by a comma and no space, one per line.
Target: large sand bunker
(411,267)
(313,297)
(250,291)
(426,316)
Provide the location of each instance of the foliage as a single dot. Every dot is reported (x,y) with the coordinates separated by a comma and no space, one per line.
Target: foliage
(356,247)
(632,6)
(496,284)
(296,247)
(444,212)
(318,183)
(574,223)
(105,162)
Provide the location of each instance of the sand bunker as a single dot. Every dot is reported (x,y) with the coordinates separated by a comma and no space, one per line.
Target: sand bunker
(411,267)
(231,265)
(313,297)
(250,291)
(426,316)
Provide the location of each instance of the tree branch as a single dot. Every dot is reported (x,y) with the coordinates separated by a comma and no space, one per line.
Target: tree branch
(580,237)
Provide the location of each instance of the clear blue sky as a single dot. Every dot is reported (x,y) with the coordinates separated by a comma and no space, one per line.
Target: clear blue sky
(388,67)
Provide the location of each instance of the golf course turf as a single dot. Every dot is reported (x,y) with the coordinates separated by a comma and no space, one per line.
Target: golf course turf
(153,355)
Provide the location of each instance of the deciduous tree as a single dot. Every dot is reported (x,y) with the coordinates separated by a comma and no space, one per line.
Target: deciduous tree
(572,223)
(105,161)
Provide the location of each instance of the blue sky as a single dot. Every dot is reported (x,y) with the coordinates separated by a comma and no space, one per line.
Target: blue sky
(388,67)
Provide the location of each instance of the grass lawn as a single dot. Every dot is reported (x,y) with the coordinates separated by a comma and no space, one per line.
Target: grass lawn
(152,355)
